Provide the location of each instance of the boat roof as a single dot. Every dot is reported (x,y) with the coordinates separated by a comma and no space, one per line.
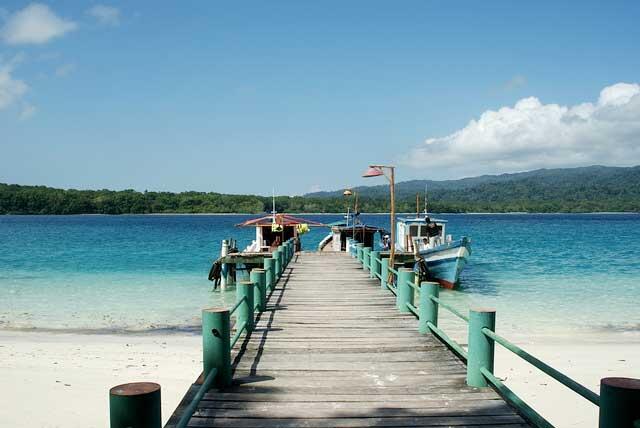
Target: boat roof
(420,220)
(281,219)
(343,225)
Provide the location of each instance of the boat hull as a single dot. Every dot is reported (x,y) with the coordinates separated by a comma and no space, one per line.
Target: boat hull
(444,263)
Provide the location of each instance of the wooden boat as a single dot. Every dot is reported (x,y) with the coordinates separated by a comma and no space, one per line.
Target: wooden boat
(351,227)
(273,230)
(436,253)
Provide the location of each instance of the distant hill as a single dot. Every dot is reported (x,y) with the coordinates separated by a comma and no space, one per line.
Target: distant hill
(584,189)
(589,189)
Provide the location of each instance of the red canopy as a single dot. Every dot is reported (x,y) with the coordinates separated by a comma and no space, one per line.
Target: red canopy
(281,219)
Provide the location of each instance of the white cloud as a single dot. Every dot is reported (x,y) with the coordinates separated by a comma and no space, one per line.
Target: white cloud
(65,70)
(35,24)
(534,135)
(27,111)
(11,89)
(106,15)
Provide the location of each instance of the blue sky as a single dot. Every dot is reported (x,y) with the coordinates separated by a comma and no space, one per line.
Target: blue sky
(240,97)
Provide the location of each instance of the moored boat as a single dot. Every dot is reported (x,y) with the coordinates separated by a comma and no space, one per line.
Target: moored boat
(438,257)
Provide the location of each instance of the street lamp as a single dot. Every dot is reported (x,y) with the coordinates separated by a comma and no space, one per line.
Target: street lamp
(376,171)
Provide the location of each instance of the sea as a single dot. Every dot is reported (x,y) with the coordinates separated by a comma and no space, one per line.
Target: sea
(544,273)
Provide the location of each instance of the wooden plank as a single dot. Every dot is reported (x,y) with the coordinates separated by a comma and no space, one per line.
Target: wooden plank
(332,351)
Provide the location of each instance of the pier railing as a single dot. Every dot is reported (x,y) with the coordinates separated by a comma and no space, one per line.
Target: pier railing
(619,402)
(138,405)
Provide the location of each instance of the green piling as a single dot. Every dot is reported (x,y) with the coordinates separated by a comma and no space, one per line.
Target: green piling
(427,309)
(270,269)
(481,348)
(619,402)
(278,264)
(359,247)
(258,277)
(135,405)
(366,252)
(216,344)
(404,293)
(244,289)
(384,273)
(374,264)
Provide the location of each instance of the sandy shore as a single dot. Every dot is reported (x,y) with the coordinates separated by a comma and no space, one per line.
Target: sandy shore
(66,377)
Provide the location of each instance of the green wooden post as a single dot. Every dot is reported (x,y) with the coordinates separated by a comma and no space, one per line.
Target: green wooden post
(404,291)
(285,254)
(135,405)
(366,251)
(374,264)
(428,309)
(481,348)
(216,344)
(260,289)
(278,264)
(270,268)
(244,289)
(384,273)
(359,247)
(619,402)
(283,261)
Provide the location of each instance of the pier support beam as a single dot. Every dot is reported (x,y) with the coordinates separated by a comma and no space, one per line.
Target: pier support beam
(244,289)
(270,273)
(404,291)
(619,402)
(384,273)
(428,309)
(481,348)
(135,405)
(374,265)
(258,277)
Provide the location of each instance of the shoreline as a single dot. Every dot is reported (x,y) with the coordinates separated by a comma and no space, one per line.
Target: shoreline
(342,213)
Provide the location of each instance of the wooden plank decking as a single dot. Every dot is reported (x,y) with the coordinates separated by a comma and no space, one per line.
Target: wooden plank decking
(331,350)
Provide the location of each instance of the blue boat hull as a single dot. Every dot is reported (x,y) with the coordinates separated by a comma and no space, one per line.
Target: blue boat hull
(445,262)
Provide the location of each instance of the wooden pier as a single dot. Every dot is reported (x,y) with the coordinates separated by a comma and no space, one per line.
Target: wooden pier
(331,340)
(331,350)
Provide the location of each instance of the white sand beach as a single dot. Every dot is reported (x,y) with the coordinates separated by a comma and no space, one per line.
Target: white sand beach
(66,377)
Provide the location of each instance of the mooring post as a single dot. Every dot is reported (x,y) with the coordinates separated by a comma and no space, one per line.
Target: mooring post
(374,265)
(135,405)
(428,308)
(481,347)
(278,263)
(366,251)
(619,402)
(384,273)
(404,292)
(216,344)
(258,277)
(270,267)
(244,289)
(359,247)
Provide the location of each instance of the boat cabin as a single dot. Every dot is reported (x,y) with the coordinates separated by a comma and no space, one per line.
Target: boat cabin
(340,231)
(420,233)
(273,230)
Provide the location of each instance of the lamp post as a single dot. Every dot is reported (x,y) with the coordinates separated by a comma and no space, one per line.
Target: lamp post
(376,171)
(346,194)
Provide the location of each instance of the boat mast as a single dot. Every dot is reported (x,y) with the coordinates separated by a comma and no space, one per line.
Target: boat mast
(425,201)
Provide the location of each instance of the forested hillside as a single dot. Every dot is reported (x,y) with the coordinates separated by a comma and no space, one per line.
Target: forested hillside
(556,190)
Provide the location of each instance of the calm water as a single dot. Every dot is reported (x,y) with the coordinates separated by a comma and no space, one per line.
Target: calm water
(110,273)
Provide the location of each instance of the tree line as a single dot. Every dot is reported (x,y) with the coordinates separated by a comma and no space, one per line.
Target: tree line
(489,197)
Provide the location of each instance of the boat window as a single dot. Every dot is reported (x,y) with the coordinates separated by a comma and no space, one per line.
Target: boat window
(414,230)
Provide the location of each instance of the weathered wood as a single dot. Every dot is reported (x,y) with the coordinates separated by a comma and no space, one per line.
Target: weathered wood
(331,350)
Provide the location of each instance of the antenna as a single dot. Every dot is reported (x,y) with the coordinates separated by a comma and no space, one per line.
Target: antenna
(417,205)
(273,201)
(425,199)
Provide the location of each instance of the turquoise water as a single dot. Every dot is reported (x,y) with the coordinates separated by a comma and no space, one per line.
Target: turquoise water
(129,273)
